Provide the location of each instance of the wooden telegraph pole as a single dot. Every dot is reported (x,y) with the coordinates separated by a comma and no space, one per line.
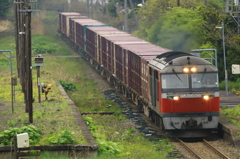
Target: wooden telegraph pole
(28,62)
(24,51)
(178,3)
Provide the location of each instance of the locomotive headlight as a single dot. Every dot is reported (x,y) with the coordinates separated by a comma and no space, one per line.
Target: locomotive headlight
(176,98)
(206,97)
(185,70)
(193,69)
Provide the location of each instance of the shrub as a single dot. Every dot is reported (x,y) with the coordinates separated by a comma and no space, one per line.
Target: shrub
(65,137)
(105,147)
(33,133)
(68,86)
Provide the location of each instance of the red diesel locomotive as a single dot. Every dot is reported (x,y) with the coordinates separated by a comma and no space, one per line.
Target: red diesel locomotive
(186,97)
(177,91)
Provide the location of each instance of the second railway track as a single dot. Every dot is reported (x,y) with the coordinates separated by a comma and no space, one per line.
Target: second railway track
(203,150)
(6,33)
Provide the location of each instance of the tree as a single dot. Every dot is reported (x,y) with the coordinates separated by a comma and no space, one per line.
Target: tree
(4,5)
(149,14)
(112,9)
(179,29)
(121,2)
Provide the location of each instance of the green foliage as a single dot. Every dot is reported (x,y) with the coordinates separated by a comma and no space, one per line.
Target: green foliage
(8,43)
(232,121)
(90,124)
(5,6)
(190,26)
(129,134)
(109,147)
(231,114)
(4,61)
(68,86)
(33,133)
(65,137)
(49,155)
(105,147)
(232,86)
(42,44)
(112,9)
(179,29)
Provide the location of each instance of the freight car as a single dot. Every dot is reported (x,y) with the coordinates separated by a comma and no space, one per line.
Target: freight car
(176,90)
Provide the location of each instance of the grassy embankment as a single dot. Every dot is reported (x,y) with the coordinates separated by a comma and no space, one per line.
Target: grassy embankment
(50,117)
(231,114)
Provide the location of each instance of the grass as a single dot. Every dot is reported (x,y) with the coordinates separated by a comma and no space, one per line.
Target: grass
(44,113)
(132,143)
(42,44)
(8,43)
(231,114)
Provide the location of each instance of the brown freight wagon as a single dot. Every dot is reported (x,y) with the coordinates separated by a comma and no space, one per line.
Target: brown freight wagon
(93,39)
(64,21)
(110,59)
(140,55)
(71,25)
(80,31)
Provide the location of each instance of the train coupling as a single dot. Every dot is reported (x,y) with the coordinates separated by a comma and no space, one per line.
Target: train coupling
(191,123)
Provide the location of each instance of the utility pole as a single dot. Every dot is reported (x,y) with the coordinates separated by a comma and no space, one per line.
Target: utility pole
(88,11)
(233,8)
(206,3)
(19,37)
(224,58)
(28,49)
(134,14)
(126,16)
(24,51)
(91,9)
(178,3)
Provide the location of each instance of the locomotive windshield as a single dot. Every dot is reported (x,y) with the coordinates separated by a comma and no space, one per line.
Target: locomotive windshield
(171,81)
(189,82)
(200,80)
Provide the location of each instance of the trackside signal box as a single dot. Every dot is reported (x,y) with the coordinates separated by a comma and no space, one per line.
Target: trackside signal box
(38,61)
(22,140)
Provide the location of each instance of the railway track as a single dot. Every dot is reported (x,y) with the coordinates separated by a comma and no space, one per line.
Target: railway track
(53,25)
(6,33)
(9,32)
(203,150)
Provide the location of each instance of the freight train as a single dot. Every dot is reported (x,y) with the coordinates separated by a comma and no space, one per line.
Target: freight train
(176,90)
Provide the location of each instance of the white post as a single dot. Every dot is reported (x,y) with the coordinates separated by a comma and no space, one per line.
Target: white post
(224,56)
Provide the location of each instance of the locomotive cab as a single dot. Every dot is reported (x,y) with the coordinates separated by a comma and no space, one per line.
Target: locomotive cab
(187,93)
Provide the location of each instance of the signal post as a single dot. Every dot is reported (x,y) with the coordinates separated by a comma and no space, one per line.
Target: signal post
(38,61)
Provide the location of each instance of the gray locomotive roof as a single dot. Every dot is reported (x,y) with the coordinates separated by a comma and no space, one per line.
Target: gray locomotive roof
(168,60)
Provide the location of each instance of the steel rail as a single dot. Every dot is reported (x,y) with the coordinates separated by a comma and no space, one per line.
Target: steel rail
(189,149)
(215,149)
(7,33)
(51,24)
(110,113)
